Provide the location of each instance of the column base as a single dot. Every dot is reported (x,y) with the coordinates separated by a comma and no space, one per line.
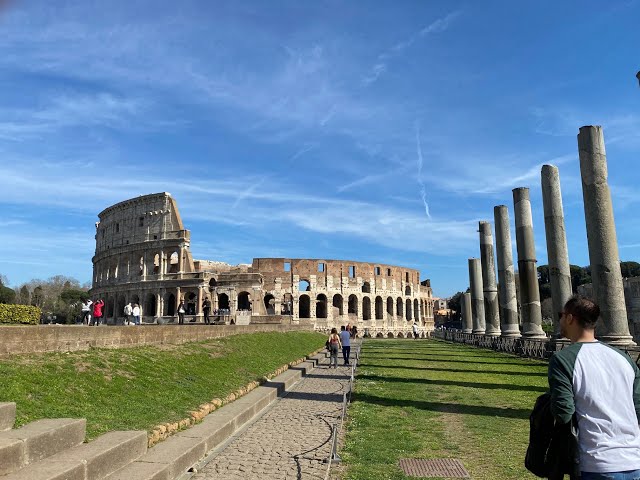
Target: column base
(617,340)
(511,331)
(492,333)
(478,332)
(533,330)
(468,330)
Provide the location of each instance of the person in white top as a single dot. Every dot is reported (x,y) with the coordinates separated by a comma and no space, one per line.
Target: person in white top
(600,385)
(416,332)
(345,338)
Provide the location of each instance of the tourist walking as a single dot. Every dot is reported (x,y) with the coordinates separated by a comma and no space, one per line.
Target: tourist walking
(416,332)
(86,311)
(136,314)
(97,312)
(345,338)
(181,311)
(600,385)
(128,311)
(334,344)
(354,332)
(206,309)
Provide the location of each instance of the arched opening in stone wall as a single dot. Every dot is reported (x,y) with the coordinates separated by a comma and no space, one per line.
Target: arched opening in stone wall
(120,306)
(366,308)
(244,302)
(223,301)
(379,308)
(169,305)
(407,290)
(321,306)
(174,262)
(110,307)
(337,305)
(390,335)
(379,335)
(270,304)
(352,307)
(304,306)
(156,264)
(141,266)
(399,308)
(416,309)
(213,283)
(190,300)
(135,300)
(390,306)
(366,287)
(287,304)
(409,316)
(400,335)
(304,286)
(150,304)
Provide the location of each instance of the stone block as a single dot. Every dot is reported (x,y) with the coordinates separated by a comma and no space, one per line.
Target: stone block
(7,415)
(142,471)
(44,438)
(49,470)
(107,453)
(177,453)
(11,455)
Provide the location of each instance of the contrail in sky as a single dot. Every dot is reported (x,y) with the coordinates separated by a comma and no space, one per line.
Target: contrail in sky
(423,191)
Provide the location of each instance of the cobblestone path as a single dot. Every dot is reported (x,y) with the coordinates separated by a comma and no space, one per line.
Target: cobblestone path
(292,438)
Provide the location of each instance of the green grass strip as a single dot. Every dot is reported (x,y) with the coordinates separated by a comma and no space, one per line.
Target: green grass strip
(430,399)
(139,388)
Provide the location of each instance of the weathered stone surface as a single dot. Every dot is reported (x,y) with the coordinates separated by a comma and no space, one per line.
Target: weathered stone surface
(467,316)
(477,298)
(528,273)
(50,470)
(177,453)
(489,287)
(604,259)
(7,415)
(11,455)
(557,251)
(506,275)
(142,471)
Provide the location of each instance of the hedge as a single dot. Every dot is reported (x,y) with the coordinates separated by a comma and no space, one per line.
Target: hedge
(25,314)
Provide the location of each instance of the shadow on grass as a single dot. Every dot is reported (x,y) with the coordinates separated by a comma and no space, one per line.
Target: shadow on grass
(456,370)
(444,407)
(454,383)
(425,359)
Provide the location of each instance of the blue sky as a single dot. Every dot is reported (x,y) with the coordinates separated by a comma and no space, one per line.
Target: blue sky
(373,131)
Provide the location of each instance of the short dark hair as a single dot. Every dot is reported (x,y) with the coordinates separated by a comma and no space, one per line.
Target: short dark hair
(585,310)
(343,328)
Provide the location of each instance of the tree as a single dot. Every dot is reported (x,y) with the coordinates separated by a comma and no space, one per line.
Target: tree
(630,269)
(7,295)
(455,305)
(23,295)
(37,297)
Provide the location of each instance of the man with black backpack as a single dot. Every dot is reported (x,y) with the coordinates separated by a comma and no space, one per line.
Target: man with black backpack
(599,386)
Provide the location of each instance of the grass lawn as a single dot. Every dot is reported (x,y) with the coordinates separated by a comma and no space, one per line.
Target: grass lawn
(138,388)
(430,399)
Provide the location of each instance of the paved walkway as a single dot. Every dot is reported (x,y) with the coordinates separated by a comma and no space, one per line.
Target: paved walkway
(292,438)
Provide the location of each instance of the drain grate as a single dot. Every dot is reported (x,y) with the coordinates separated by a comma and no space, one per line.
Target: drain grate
(439,467)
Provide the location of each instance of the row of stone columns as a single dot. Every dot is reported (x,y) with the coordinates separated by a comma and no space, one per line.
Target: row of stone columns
(484,311)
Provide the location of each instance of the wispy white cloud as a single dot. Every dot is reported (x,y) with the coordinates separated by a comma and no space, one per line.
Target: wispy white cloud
(423,191)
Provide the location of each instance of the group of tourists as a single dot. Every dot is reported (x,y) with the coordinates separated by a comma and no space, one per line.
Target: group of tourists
(93,313)
(340,340)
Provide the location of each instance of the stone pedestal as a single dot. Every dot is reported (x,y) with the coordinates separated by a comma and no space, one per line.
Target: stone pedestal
(559,272)
(477,298)
(506,278)
(528,274)
(601,234)
(489,287)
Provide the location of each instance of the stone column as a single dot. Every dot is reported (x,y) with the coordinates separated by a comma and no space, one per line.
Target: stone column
(489,288)
(465,302)
(506,276)
(529,292)
(608,289)
(559,272)
(477,299)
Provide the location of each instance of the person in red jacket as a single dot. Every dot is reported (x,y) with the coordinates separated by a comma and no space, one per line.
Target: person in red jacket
(97,312)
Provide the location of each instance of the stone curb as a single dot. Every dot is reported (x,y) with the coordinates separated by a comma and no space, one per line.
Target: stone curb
(165,430)
(7,415)
(172,457)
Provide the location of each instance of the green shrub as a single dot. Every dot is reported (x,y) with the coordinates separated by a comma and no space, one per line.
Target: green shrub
(25,314)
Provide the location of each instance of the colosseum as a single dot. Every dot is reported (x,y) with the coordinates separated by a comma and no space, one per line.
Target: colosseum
(143,256)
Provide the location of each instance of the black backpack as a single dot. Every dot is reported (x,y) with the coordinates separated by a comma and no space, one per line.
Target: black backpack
(553,447)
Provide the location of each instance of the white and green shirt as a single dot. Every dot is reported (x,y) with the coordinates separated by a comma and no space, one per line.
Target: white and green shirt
(601,385)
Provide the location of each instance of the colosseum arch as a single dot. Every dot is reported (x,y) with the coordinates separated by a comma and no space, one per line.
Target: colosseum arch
(366,287)
(337,304)
(223,301)
(174,262)
(169,305)
(366,308)
(191,300)
(244,301)
(379,308)
(304,286)
(352,307)
(409,310)
(110,307)
(156,264)
(399,310)
(135,299)
(416,310)
(150,305)
(407,290)
(120,306)
(321,306)
(389,307)
(270,304)
(141,266)
(304,306)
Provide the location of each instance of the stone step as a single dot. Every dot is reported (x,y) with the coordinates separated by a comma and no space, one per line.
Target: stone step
(91,461)
(7,415)
(38,440)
